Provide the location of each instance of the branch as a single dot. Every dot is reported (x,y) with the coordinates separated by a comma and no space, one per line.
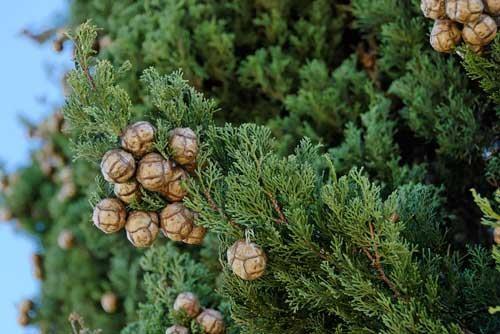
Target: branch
(85,70)
(367,56)
(73,326)
(84,38)
(376,263)
(282,219)
(321,252)
(41,37)
(465,330)
(216,208)
(78,325)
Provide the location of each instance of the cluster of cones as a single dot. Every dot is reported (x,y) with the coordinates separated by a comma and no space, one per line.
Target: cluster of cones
(210,320)
(136,167)
(474,21)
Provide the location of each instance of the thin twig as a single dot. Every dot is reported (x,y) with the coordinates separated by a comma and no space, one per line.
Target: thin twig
(83,64)
(376,263)
(75,320)
(368,254)
(321,252)
(89,77)
(282,220)
(464,329)
(78,325)
(276,206)
(215,207)
(39,37)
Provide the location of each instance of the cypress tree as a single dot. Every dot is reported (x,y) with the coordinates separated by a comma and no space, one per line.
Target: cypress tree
(395,130)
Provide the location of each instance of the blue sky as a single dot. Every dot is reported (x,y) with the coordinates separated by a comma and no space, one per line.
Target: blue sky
(29,85)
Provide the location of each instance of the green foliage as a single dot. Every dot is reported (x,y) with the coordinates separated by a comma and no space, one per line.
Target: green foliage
(246,54)
(492,173)
(98,110)
(421,208)
(485,69)
(19,197)
(178,104)
(336,259)
(320,234)
(357,77)
(374,148)
(324,102)
(74,279)
(266,63)
(491,218)
(434,109)
(168,272)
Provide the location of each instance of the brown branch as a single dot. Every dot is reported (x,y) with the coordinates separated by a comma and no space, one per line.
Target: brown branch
(464,329)
(61,37)
(215,207)
(394,218)
(282,218)
(80,55)
(211,202)
(78,325)
(376,263)
(76,321)
(321,253)
(41,37)
(89,77)
(368,254)
(367,56)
